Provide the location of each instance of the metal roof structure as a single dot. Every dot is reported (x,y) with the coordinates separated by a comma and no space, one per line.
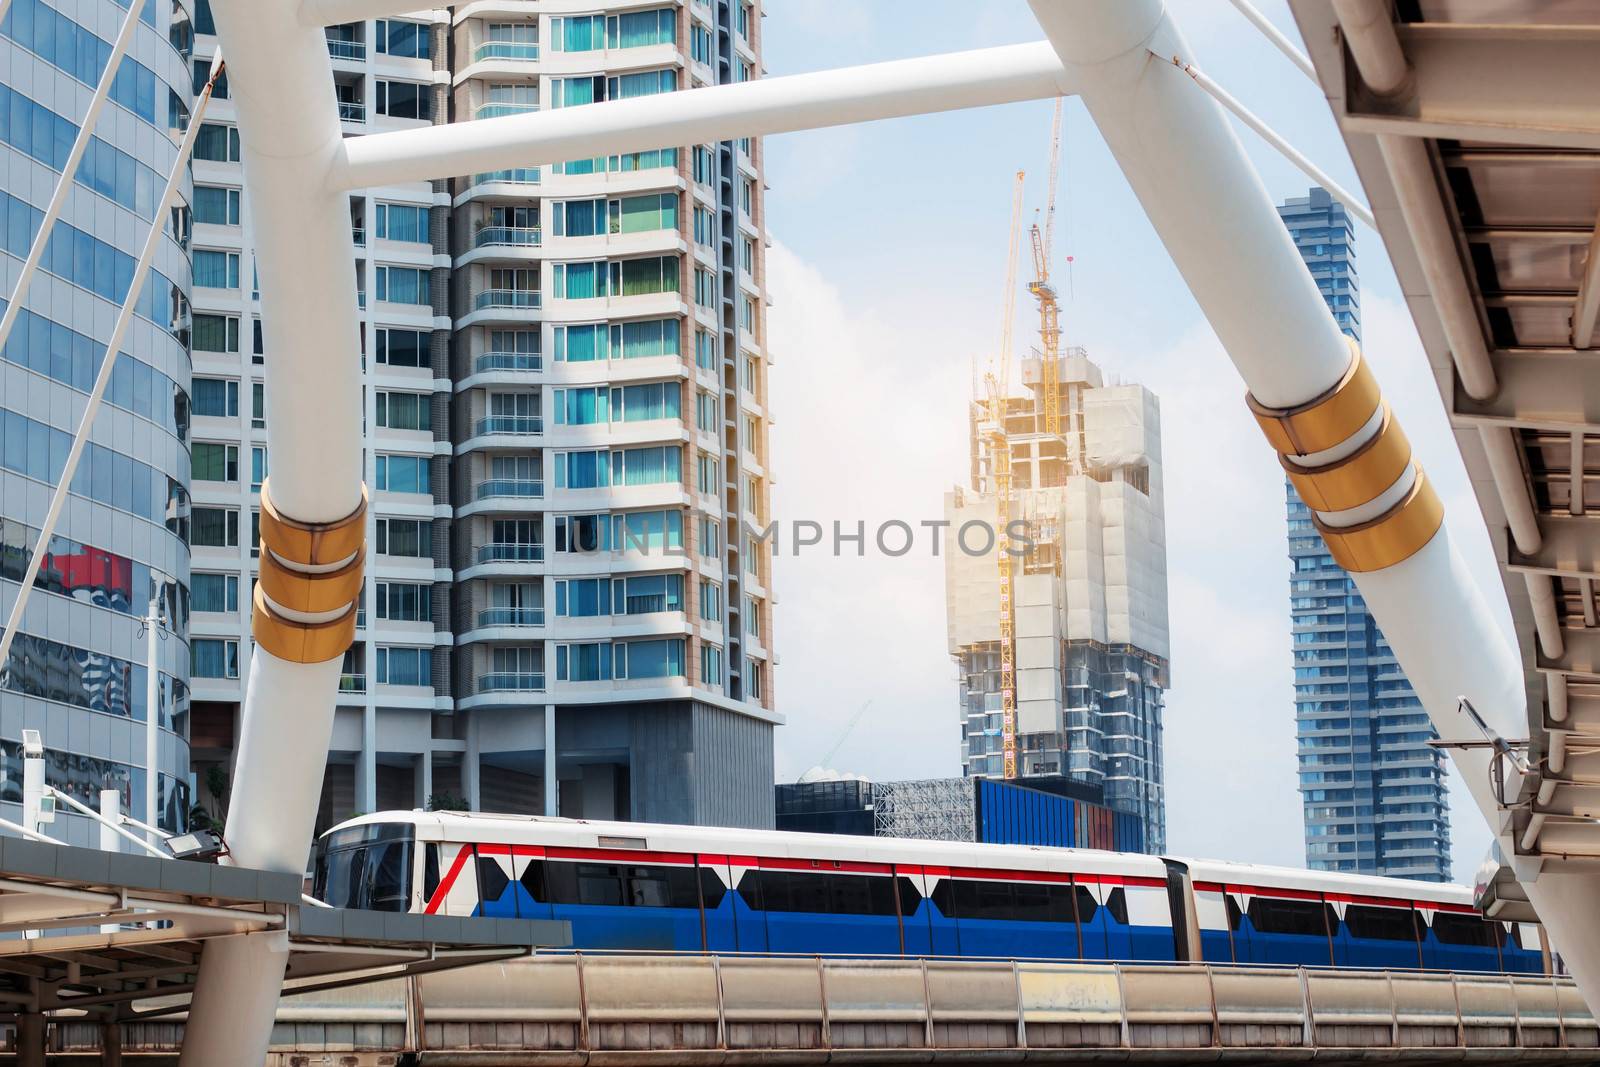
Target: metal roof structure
(1474,127)
(120,936)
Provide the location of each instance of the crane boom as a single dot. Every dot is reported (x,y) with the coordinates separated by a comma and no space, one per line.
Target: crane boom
(1000,457)
(1045,293)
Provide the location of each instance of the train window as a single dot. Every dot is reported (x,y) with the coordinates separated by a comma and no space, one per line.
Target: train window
(1274,916)
(1383,924)
(430,872)
(1235,916)
(618,885)
(1513,936)
(492,880)
(367,866)
(961,898)
(1117,905)
(388,877)
(1455,929)
(819,893)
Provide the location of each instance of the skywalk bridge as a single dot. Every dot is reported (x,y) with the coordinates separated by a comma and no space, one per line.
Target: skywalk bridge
(704,1009)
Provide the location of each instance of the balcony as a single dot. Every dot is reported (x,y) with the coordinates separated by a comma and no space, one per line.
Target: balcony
(503,552)
(526,425)
(352,111)
(352,683)
(506,298)
(511,617)
(497,110)
(354,50)
(521,682)
(359,236)
(513,236)
(515,487)
(506,50)
(513,361)
(517,176)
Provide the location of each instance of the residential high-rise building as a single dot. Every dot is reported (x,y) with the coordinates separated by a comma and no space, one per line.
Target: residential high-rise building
(566,611)
(77,670)
(1089,597)
(1372,788)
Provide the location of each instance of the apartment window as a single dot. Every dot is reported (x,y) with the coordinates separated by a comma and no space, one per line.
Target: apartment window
(403,601)
(412,538)
(509,98)
(705,168)
(643,83)
(580,281)
(215,593)
(402,348)
(258,467)
(646,402)
(701,49)
(588,406)
(582,598)
(745,15)
(649,659)
(214,462)
(705,288)
(582,33)
(582,533)
(398,665)
(582,470)
(747,314)
(258,346)
(711,664)
(406,39)
(747,197)
(402,474)
(705,412)
(214,527)
(258,405)
(742,71)
(211,657)
(255,533)
(747,256)
(584,662)
(578,218)
(216,397)
(752,679)
(515,280)
(646,466)
(750,376)
(404,100)
(637,29)
(647,594)
(710,600)
(216,206)
(404,285)
(710,537)
(706,473)
(516,532)
(405,411)
(403,222)
(215,333)
(518,342)
(217,143)
(643,214)
(582,344)
(649,337)
(575,92)
(752,617)
(705,226)
(646,531)
(216,270)
(705,350)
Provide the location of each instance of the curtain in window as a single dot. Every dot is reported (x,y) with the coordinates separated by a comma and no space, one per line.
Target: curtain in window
(211,659)
(581,344)
(575,91)
(657,400)
(583,218)
(654,337)
(655,659)
(645,466)
(582,407)
(641,214)
(644,83)
(403,285)
(215,270)
(654,275)
(584,280)
(403,222)
(583,34)
(639,28)
(586,470)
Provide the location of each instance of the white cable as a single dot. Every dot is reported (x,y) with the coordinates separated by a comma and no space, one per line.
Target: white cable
(58,198)
(1289,152)
(1279,41)
(180,170)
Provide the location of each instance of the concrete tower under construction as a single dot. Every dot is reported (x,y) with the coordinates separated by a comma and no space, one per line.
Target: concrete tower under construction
(1087,593)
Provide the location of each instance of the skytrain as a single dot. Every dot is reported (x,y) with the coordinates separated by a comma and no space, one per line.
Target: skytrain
(643,886)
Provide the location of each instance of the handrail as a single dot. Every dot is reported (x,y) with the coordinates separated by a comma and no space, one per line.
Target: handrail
(520,487)
(499,552)
(523,236)
(524,425)
(507,298)
(528,361)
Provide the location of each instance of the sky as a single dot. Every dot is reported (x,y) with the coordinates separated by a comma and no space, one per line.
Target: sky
(887,274)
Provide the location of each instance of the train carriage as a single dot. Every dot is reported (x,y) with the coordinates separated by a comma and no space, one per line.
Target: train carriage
(635,886)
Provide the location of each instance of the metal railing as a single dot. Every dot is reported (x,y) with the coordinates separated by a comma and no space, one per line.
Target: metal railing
(502,552)
(517,236)
(516,175)
(352,683)
(507,298)
(498,110)
(525,425)
(518,487)
(506,50)
(511,617)
(653,1008)
(347,49)
(359,236)
(351,111)
(519,682)
(518,361)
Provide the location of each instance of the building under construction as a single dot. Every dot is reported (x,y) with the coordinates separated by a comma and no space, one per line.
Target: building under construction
(1072,632)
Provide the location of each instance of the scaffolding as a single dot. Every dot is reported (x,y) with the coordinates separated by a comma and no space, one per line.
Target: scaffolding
(929,809)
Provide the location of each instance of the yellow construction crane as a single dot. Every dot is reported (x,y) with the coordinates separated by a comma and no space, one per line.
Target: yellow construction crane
(998,381)
(1045,293)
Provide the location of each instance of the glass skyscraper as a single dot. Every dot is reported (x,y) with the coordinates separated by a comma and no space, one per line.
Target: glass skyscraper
(1372,788)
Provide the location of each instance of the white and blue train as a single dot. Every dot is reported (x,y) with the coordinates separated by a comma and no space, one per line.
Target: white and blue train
(684,888)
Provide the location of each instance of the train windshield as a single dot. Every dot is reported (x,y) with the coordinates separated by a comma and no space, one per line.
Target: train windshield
(367,866)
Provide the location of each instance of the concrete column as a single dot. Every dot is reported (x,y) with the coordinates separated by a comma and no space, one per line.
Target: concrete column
(469,765)
(367,762)
(110,1045)
(550,784)
(31,1034)
(423,777)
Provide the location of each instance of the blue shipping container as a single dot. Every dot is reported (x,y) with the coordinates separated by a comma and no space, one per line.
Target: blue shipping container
(1016,815)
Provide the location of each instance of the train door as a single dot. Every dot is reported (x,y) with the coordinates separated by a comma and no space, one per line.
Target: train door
(1182,911)
(457,892)
(824,908)
(749,924)
(915,911)
(1428,943)
(653,906)
(1211,916)
(718,899)
(1379,936)
(944,932)
(528,883)
(1094,922)
(497,885)
(1148,920)
(1114,918)
(1238,929)
(1465,941)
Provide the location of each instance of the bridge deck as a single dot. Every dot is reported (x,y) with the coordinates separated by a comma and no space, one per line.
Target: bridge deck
(671,1009)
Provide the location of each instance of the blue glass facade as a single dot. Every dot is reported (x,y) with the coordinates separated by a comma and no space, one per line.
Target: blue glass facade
(1372,789)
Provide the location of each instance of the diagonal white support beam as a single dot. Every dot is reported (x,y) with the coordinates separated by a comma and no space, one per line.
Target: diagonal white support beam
(748,109)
